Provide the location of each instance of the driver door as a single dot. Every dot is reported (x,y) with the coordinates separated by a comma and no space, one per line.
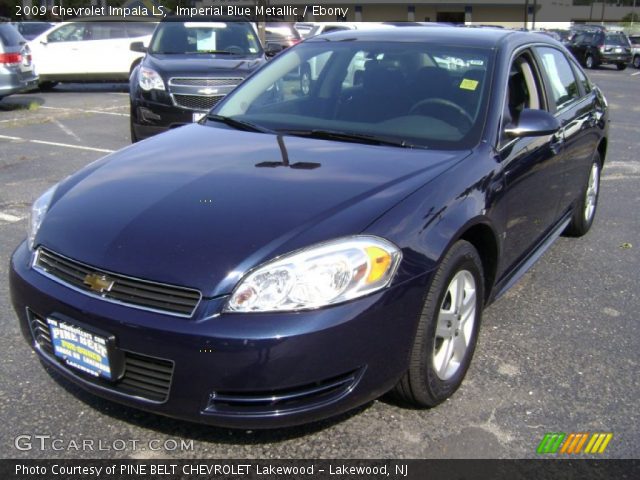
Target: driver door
(531,166)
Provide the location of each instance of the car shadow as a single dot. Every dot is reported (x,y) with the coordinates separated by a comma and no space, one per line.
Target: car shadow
(195,431)
(97,87)
(22,102)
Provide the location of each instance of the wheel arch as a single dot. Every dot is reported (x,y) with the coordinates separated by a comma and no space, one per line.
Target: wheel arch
(602,150)
(484,240)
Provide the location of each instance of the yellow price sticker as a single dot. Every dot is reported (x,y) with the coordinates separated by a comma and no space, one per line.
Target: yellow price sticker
(468,84)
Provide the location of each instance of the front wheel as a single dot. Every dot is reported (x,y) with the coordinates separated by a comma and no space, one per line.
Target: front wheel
(447,330)
(585,210)
(134,137)
(636,61)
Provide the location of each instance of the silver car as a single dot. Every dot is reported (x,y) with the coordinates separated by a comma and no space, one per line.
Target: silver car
(17,72)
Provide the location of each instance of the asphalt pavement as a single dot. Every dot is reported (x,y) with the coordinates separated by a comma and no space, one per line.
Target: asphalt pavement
(557,353)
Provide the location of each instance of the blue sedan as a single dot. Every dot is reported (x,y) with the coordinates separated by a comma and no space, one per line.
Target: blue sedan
(295,255)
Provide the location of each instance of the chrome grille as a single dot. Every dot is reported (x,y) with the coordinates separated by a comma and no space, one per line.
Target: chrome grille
(196,102)
(137,293)
(205,82)
(145,377)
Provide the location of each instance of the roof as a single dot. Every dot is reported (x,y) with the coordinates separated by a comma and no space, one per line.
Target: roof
(472,37)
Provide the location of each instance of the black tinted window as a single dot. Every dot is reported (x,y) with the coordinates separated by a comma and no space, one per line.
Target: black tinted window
(562,82)
(10,36)
(619,39)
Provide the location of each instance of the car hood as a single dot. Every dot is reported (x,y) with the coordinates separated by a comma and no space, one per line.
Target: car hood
(205,65)
(200,205)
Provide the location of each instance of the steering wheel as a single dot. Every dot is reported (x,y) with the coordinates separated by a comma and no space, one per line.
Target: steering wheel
(235,49)
(431,104)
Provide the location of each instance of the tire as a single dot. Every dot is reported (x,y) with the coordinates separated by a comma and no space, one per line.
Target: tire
(636,61)
(621,66)
(305,80)
(436,369)
(47,86)
(134,137)
(585,210)
(589,62)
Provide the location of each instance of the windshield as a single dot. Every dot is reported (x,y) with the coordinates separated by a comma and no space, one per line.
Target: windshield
(231,38)
(409,94)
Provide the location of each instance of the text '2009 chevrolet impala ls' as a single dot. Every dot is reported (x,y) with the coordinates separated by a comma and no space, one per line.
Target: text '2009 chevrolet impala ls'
(291,257)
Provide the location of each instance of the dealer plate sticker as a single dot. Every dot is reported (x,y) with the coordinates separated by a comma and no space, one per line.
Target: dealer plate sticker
(80,349)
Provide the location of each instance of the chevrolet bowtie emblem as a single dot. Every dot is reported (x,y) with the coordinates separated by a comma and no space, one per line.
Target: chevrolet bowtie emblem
(208,91)
(98,283)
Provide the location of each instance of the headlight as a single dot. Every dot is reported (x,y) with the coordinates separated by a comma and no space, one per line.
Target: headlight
(149,79)
(321,275)
(38,211)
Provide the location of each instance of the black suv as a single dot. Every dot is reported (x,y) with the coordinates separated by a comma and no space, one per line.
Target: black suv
(597,47)
(188,68)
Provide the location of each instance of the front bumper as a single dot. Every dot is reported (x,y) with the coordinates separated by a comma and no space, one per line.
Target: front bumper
(150,117)
(238,370)
(614,58)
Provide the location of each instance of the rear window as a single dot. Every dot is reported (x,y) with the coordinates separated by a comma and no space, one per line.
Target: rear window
(10,36)
(619,39)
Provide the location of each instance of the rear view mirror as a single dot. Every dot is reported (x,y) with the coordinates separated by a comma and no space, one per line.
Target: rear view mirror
(533,123)
(138,47)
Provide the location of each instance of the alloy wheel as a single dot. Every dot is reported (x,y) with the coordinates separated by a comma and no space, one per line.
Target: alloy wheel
(591,194)
(455,324)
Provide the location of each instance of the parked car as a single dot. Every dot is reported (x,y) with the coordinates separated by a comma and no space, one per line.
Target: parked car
(87,51)
(188,68)
(635,50)
(304,28)
(30,30)
(290,258)
(17,72)
(599,47)
(282,34)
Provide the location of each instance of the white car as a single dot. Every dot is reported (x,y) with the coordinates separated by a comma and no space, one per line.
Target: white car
(89,51)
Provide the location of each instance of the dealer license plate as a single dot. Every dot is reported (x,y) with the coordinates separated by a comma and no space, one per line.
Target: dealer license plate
(198,116)
(80,349)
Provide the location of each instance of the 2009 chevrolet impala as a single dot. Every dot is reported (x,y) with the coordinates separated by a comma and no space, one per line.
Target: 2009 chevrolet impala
(295,255)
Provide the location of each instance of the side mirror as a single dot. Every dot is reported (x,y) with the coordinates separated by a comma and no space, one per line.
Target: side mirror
(533,123)
(138,47)
(273,49)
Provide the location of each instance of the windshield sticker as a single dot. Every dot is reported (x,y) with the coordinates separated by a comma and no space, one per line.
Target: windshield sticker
(468,84)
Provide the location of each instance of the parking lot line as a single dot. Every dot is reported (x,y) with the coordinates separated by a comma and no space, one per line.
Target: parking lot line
(634,74)
(86,111)
(7,217)
(56,144)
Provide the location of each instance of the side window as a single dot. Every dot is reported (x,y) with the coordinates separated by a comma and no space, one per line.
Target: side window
(582,79)
(562,81)
(523,91)
(72,32)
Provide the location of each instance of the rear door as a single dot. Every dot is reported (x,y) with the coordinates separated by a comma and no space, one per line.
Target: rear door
(573,102)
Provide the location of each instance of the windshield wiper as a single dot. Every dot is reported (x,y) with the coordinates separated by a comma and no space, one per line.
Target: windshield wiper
(350,137)
(239,124)
(222,52)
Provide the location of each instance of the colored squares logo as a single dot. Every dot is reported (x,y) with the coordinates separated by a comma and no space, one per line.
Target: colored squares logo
(574,443)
